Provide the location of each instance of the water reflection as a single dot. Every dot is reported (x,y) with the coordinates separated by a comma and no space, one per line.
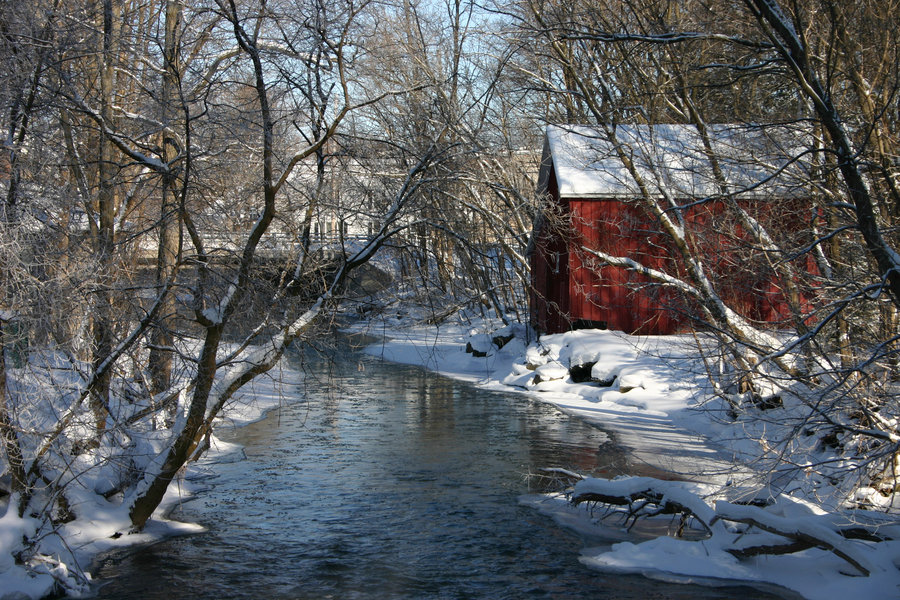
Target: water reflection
(383,481)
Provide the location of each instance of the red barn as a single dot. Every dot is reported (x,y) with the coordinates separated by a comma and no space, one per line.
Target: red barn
(595,204)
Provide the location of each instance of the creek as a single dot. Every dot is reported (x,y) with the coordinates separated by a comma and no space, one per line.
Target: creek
(377,480)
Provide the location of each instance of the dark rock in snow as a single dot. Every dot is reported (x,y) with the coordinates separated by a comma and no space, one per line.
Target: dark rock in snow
(502,340)
(479,345)
(767,402)
(581,373)
(476,353)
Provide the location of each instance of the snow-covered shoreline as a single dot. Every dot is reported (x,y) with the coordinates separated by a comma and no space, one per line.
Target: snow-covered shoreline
(656,418)
(648,392)
(656,401)
(103,526)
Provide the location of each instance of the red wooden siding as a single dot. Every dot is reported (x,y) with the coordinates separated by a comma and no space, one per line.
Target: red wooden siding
(549,294)
(615,297)
(571,288)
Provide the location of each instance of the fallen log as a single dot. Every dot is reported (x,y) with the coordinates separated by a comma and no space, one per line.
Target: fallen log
(643,497)
(646,497)
(802,530)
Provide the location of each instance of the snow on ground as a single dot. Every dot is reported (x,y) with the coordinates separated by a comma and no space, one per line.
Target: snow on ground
(652,394)
(67,551)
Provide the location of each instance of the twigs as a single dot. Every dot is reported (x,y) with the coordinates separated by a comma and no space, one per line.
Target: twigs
(742,530)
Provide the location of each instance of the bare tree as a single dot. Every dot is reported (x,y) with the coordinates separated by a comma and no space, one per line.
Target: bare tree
(165,116)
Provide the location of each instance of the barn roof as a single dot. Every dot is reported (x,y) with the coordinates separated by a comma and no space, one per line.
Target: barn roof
(755,161)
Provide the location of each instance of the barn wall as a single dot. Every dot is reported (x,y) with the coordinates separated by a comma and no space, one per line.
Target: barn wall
(611,296)
(586,292)
(603,295)
(549,295)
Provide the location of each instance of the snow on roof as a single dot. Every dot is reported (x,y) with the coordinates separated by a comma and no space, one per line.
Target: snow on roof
(754,161)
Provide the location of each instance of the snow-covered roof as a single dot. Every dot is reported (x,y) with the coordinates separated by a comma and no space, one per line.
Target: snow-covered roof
(754,161)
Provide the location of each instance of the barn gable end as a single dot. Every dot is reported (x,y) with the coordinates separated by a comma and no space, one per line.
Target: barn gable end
(593,204)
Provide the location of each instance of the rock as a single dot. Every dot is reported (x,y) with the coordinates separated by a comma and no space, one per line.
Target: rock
(630,379)
(581,373)
(505,335)
(479,345)
(604,374)
(515,349)
(502,340)
(581,353)
(550,372)
(535,356)
(766,402)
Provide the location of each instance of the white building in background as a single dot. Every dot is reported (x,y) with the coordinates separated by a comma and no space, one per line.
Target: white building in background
(349,203)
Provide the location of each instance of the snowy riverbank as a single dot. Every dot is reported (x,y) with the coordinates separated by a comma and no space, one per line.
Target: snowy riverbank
(653,407)
(652,394)
(67,550)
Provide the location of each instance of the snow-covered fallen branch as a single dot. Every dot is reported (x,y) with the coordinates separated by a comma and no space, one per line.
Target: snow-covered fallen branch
(778,526)
(646,497)
(809,532)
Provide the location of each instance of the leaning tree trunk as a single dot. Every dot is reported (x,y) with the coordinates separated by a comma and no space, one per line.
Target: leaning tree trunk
(149,496)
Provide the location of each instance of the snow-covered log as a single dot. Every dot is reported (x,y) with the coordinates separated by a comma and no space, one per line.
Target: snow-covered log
(646,496)
(745,530)
(804,532)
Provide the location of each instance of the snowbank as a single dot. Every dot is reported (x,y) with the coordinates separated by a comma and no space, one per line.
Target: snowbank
(652,393)
(60,560)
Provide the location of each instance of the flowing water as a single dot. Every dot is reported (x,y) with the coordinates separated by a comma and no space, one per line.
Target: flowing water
(376,480)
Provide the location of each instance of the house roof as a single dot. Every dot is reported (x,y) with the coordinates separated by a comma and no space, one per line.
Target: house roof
(755,161)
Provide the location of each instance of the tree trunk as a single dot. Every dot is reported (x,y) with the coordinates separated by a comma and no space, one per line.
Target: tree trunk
(106,205)
(14,459)
(169,250)
(795,54)
(150,495)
